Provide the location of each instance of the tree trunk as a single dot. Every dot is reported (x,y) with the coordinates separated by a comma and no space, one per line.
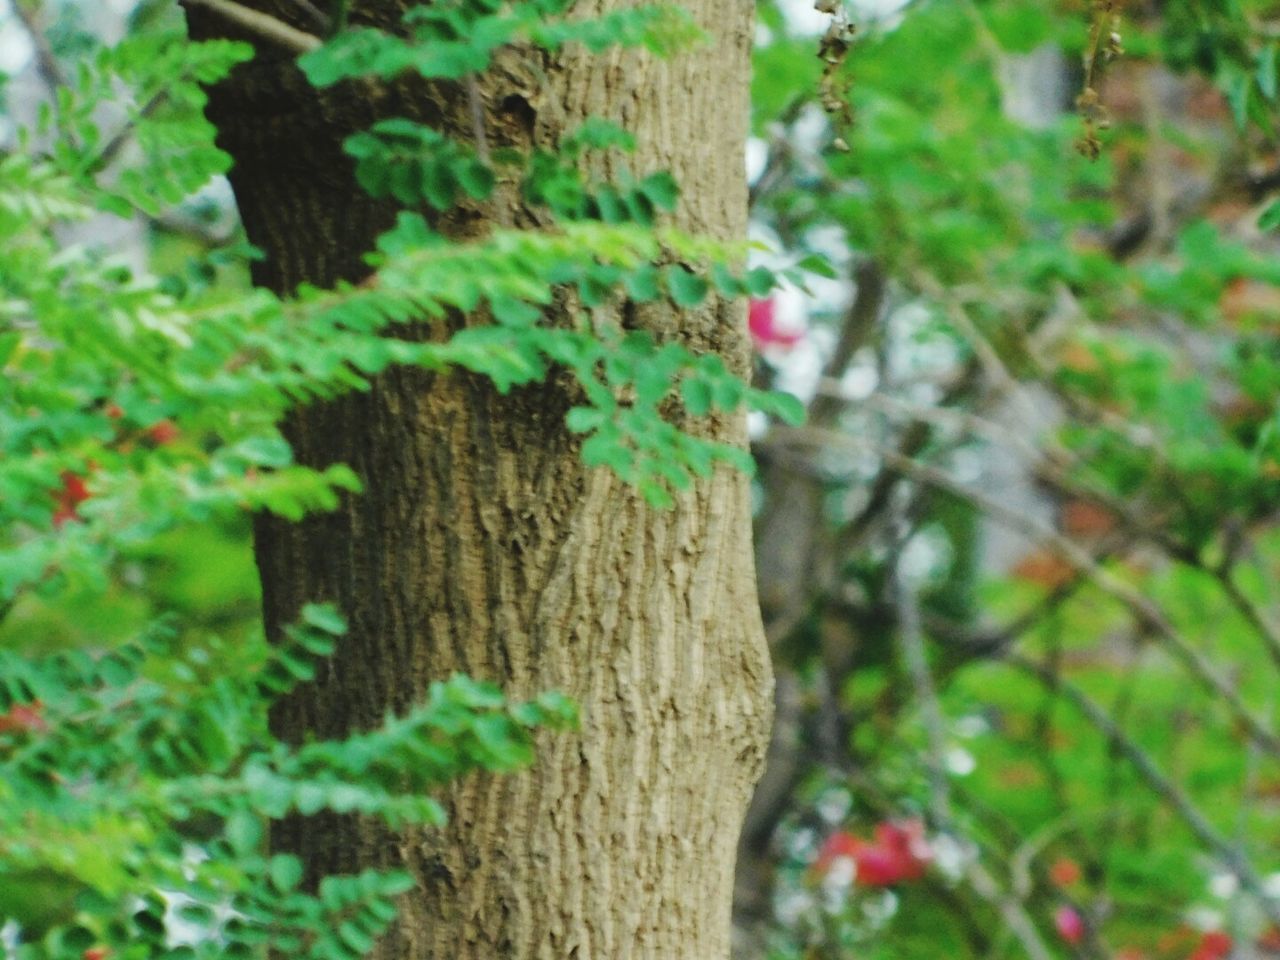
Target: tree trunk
(481,544)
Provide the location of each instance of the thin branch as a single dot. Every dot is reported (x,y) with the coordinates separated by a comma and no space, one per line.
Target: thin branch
(315,15)
(1251,613)
(1231,856)
(780,151)
(1139,606)
(476,105)
(341,10)
(261,25)
(1048,468)
(910,636)
(46,62)
(1011,909)
(125,133)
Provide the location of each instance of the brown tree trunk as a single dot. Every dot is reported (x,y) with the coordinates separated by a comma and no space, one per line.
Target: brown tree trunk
(481,544)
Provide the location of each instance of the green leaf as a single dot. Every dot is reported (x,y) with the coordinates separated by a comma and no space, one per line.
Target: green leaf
(8,345)
(725,282)
(324,616)
(642,284)
(354,937)
(656,493)
(687,289)
(596,133)
(760,281)
(1270,217)
(395,883)
(697,396)
(244,832)
(285,871)
(585,419)
(476,180)
(784,406)
(818,264)
(1266,73)
(662,190)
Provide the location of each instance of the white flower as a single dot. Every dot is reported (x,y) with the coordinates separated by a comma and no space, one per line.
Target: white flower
(879,910)
(952,856)
(974,725)
(1205,918)
(833,806)
(840,874)
(801,844)
(960,762)
(1271,884)
(1223,885)
(791,906)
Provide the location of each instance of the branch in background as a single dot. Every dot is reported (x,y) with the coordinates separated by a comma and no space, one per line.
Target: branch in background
(1233,859)
(793,512)
(910,637)
(315,15)
(1050,470)
(775,163)
(341,9)
(860,322)
(261,25)
(1140,607)
(46,62)
(1011,910)
(125,133)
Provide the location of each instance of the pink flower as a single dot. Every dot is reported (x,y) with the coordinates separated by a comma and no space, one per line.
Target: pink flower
(762,322)
(1069,924)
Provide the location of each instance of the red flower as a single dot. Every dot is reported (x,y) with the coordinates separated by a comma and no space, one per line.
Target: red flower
(96,953)
(1065,872)
(163,432)
(762,322)
(24,718)
(1069,924)
(1214,945)
(70,495)
(897,853)
(839,844)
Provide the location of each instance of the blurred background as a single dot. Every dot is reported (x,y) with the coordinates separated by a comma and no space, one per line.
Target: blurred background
(1019,568)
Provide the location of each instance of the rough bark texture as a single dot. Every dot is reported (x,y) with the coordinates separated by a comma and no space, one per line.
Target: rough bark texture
(481,544)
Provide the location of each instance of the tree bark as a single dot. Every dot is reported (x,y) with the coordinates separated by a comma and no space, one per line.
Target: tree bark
(481,543)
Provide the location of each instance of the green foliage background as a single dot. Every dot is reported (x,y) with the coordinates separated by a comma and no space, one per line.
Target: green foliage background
(1106,701)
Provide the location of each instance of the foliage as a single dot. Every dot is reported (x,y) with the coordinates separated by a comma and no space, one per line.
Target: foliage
(1046,508)
(136,782)
(1053,744)
(139,406)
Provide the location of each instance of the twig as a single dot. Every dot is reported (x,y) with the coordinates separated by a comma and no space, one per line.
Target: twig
(46,62)
(1141,608)
(780,151)
(1230,854)
(262,25)
(316,15)
(341,9)
(795,484)
(1247,609)
(476,105)
(123,135)
(910,636)
(1014,914)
